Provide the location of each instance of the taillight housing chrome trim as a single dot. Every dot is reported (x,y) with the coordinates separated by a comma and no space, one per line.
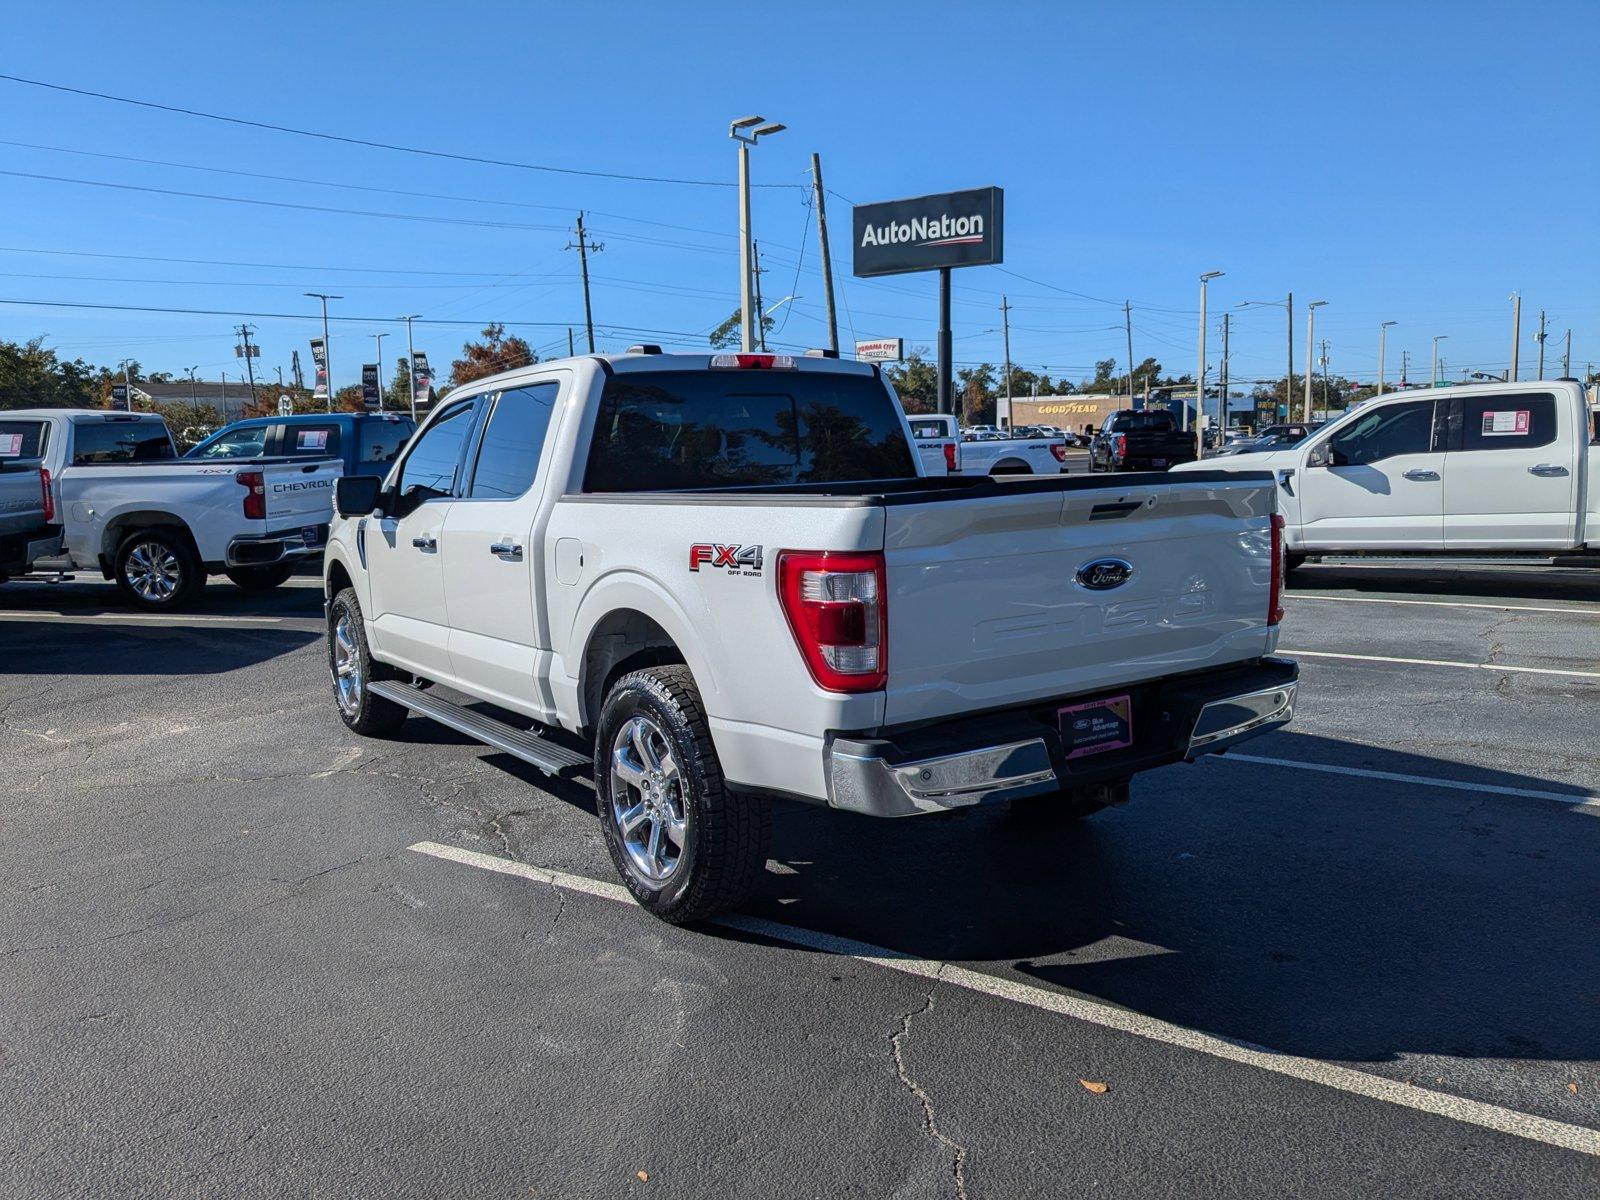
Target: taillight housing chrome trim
(830,632)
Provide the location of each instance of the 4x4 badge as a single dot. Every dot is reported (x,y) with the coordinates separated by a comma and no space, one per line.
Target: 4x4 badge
(743,560)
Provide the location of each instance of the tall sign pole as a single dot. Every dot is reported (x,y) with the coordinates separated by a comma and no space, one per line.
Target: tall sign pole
(827,253)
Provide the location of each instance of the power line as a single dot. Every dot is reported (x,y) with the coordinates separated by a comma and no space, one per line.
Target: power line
(375,145)
(222,262)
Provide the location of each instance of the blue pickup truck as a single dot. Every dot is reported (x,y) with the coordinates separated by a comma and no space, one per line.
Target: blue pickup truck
(367,443)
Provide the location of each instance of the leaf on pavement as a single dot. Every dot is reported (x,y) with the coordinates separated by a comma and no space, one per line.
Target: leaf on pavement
(1573,1088)
(1093,1085)
(643,1176)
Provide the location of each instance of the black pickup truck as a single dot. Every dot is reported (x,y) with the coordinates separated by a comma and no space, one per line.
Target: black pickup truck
(1140,440)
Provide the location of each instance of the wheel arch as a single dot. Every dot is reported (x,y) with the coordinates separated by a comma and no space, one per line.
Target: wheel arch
(1011,466)
(623,640)
(120,526)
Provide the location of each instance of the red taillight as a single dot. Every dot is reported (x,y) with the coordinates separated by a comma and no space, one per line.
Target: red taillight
(950,458)
(1275,596)
(1059,449)
(837,608)
(1119,445)
(255,497)
(47,496)
(752,362)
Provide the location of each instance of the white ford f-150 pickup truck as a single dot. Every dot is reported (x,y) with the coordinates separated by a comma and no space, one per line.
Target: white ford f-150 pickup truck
(728,574)
(942,451)
(1486,469)
(130,508)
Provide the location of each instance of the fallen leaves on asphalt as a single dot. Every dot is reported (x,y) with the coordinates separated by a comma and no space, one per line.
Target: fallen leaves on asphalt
(1094,1085)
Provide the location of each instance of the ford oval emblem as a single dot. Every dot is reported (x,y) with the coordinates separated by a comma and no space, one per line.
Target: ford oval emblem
(1103,574)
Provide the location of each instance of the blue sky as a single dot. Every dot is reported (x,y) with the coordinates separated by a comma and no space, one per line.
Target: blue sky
(1414,163)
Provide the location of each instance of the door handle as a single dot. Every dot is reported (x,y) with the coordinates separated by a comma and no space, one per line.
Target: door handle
(1548,470)
(427,542)
(509,550)
(1422,476)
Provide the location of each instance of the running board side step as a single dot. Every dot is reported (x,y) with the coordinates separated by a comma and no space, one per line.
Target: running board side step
(519,743)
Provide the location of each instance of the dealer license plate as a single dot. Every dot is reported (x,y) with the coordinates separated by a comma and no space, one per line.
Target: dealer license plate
(1096,726)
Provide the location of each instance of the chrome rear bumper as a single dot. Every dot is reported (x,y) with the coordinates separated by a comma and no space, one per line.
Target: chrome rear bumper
(880,783)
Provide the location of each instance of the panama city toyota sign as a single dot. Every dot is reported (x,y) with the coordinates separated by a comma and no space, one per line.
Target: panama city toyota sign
(925,233)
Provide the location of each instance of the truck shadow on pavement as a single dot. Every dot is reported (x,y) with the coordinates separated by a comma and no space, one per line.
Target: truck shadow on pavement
(1319,915)
(54,648)
(1444,582)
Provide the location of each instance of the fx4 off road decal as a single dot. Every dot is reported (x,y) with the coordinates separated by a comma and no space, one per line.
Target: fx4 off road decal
(736,560)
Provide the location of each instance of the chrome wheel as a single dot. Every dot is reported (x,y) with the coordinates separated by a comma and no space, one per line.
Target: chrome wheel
(153,571)
(347,681)
(648,801)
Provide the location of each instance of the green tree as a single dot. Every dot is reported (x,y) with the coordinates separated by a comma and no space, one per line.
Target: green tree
(915,381)
(728,334)
(976,386)
(32,376)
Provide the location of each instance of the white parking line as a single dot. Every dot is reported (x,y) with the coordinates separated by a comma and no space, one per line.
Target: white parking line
(1339,1078)
(1587,612)
(120,618)
(1440,662)
(1587,801)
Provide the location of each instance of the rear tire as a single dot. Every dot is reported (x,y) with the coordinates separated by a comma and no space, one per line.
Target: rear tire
(158,570)
(352,668)
(261,579)
(1068,806)
(685,844)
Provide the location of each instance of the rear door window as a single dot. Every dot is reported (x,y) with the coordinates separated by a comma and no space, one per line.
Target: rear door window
(1517,422)
(928,429)
(310,439)
(668,430)
(120,441)
(508,456)
(22,439)
(248,441)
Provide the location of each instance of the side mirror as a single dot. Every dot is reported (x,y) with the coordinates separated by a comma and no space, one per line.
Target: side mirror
(356,495)
(1320,456)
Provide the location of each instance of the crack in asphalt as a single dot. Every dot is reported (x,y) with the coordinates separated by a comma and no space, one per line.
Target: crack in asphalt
(930,1122)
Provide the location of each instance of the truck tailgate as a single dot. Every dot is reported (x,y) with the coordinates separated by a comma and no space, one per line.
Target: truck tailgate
(300,493)
(986,606)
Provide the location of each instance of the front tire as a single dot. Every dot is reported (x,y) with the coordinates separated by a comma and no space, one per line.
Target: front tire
(351,665)
(686,846)
(261,579)
(158,570)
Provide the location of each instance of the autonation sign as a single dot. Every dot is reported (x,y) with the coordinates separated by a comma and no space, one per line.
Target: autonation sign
(951,229)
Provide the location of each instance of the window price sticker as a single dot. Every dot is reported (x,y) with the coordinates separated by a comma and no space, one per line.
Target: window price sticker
(317,439)
(1510,423)
(10,445)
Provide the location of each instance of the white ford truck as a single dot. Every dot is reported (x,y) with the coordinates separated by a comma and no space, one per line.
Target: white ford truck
(728,575)
(130,508)
(1491,469)
(943,452)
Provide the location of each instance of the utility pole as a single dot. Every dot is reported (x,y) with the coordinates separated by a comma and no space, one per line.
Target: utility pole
(377,340)
(755,272)
(1405,367)
(279,370)
(1539,337)
(327,342)
(294,369)
(249,364)
(411,365)
(827,254)
(1324,378)
(1127,325)
(194,404)
(1566,358)
(1200,373)
(1516,334)
(1005,322)
(571,349)
(583,246)
(1433,377)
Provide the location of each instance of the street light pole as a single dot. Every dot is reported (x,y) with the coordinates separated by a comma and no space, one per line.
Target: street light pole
(1200,372)
(1516,334)
(327,342)
(1311,333)
(194,405)
(1383,343)
(377,339)
(747,335)
(1433,377)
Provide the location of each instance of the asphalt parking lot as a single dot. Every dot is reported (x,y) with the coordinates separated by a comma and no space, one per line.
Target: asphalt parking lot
(243,951)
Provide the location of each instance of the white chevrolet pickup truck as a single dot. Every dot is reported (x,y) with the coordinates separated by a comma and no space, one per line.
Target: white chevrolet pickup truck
(130,508)
(729,576)
(1496,469)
